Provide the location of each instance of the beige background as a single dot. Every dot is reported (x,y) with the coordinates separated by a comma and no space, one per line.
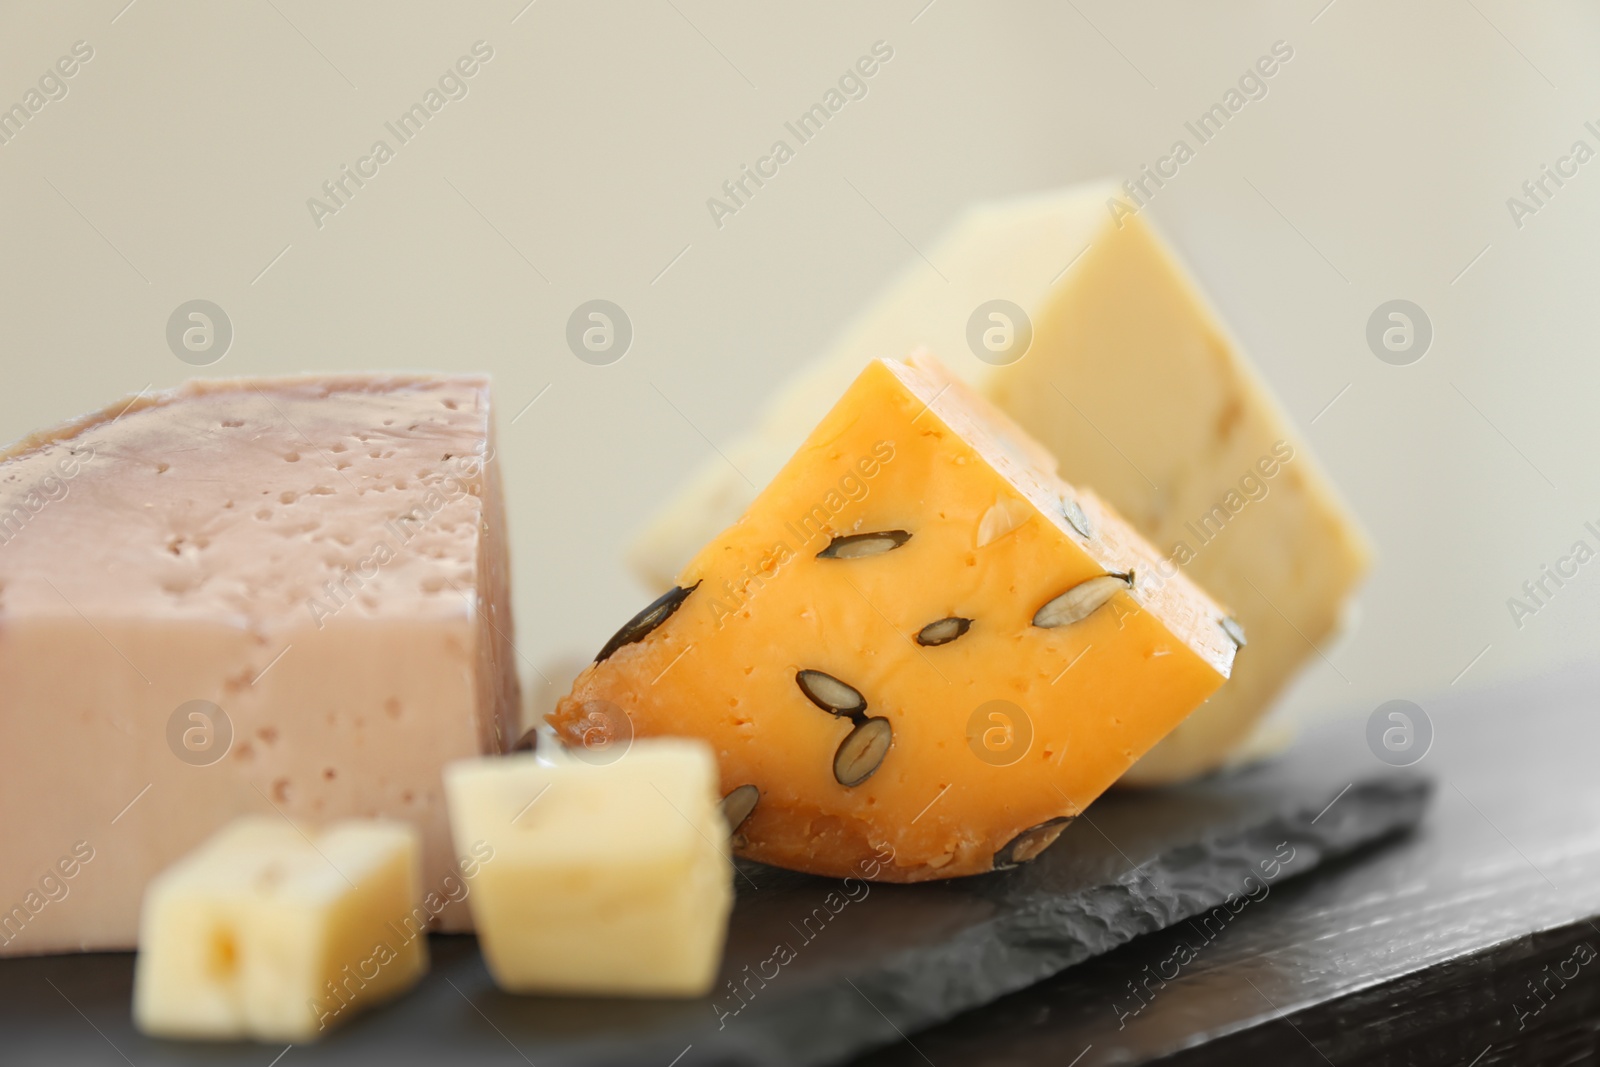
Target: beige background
(578,166)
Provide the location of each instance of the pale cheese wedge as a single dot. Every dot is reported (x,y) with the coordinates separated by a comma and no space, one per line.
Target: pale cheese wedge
(1138,389)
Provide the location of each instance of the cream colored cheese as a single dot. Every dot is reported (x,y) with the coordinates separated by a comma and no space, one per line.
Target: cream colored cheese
(277,933)
(607,878)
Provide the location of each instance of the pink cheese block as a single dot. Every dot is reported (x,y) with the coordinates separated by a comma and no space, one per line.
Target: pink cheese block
(320,560)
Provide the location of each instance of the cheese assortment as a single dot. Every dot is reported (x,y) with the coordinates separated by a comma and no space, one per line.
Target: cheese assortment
(272,932)
(255,637)
(608,877)
(917,639)
(1080,323)
(279,596)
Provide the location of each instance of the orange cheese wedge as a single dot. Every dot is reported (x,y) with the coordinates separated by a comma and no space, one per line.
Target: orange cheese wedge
(920,653)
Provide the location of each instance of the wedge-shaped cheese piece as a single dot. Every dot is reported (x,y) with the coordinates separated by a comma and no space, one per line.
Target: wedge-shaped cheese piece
(278,933)
(916,643)
(608,877)
(1134,383)
(233,597)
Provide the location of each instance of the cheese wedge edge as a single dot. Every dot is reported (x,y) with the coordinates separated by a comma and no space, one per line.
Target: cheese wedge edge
(922,650)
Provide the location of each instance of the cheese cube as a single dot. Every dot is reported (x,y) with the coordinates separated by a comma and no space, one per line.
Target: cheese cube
(919,653)
(235,597)
(271,932)
(607,879)
(1124,372)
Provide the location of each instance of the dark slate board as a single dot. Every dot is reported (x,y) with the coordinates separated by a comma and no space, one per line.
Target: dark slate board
(894,961)
(1474,940)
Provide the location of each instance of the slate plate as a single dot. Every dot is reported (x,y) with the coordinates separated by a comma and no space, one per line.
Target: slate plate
(829,976)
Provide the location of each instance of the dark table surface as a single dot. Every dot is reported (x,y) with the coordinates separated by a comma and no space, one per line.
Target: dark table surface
(1473,941)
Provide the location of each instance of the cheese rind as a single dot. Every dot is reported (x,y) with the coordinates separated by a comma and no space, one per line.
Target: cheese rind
(608,878)
(272,932)
(322,560)
(1136,386)
(799,668)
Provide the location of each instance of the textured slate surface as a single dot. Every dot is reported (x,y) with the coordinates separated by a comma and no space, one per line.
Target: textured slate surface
(888,961)
(1475,940)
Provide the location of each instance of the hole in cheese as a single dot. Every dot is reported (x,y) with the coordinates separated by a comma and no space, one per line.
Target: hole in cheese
(222,955)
